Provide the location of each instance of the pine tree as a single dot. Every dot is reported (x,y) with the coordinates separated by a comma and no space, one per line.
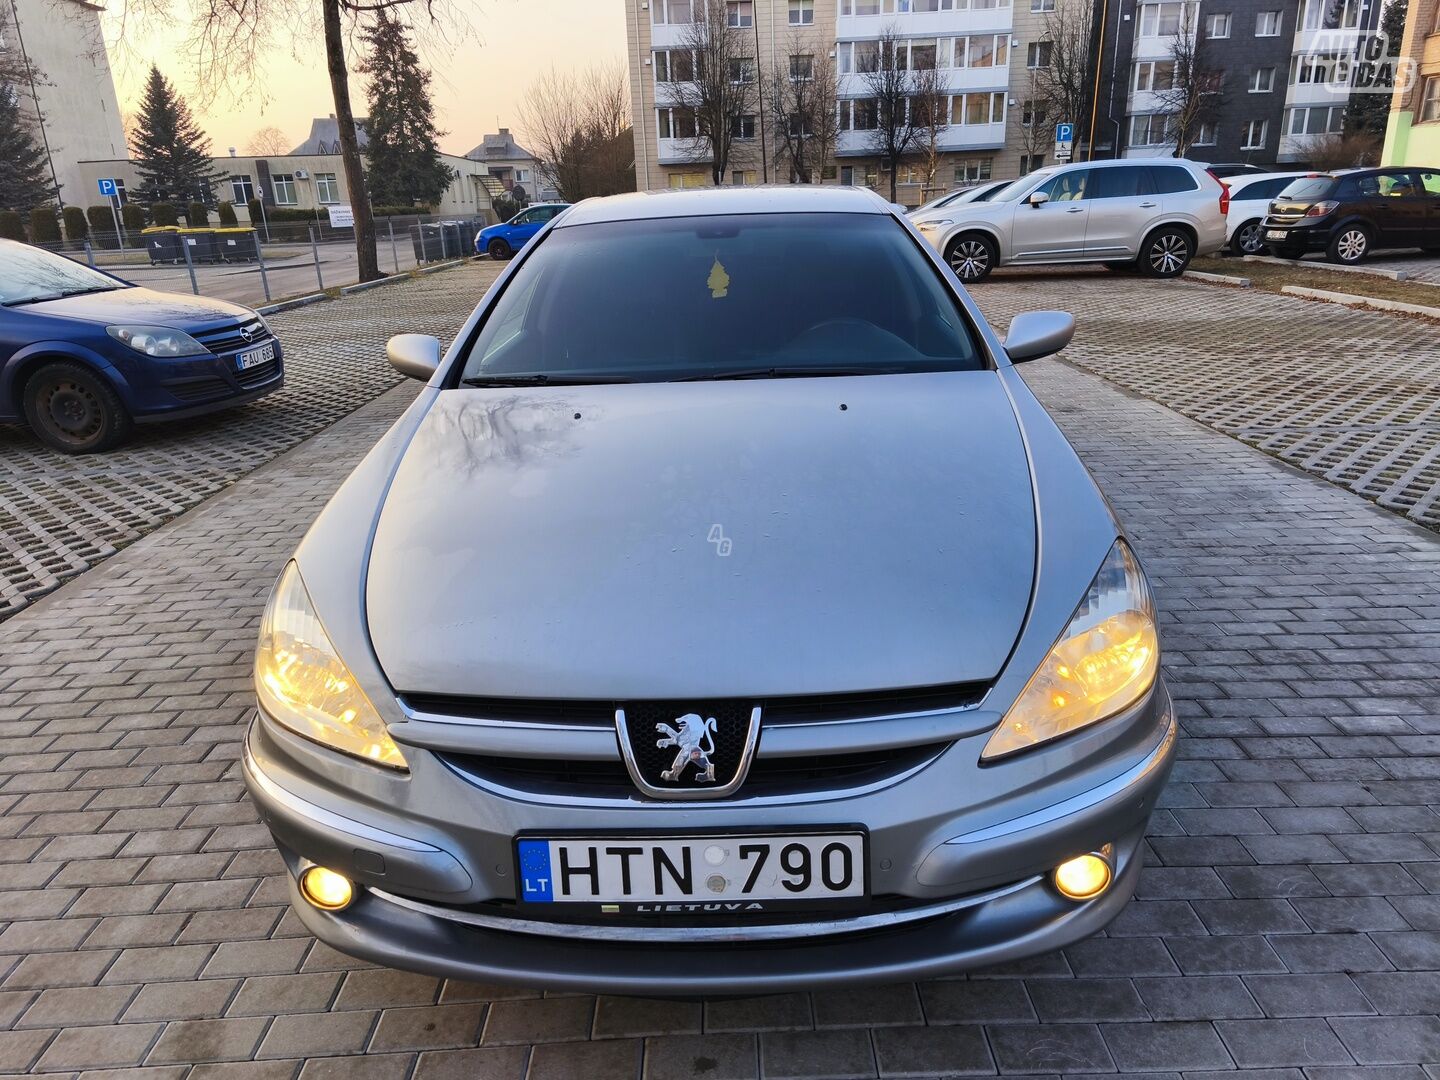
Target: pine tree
(403,151)
(24,173)
(171,153)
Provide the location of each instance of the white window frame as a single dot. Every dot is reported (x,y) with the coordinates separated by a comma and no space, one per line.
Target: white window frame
(327,189)
(738,124)
(1248,140)
(1042,5)
(1429,110)
(1262,80)
(976,171)
(1033,53)
(660,12)
(242,189)
(1220,18)
(1208,134)
(801,13)
(808,69)
(1275,19)
(740,14)
(283,184)
(747,71)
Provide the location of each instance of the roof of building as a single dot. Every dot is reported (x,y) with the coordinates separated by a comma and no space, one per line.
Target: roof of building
(325,135)
(500,147)
(702,202)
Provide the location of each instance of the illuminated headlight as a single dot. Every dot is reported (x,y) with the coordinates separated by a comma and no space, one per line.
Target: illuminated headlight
(1104,662)
(303,684)
(157,340)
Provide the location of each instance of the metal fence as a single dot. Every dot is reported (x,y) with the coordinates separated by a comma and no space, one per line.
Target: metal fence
(273,260)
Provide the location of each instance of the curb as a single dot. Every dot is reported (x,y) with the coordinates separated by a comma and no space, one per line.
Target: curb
(1218,279)
(1351,300)
(286,305)
(364,285)
(437,267)
(1371,271)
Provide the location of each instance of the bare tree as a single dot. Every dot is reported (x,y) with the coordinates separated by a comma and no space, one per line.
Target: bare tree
(1060,68)
(1350,150)
(929,107)
(889,86)
(579,123)
(268,142)
(1036,132)
(1193,98)
(802,97)
(723,92)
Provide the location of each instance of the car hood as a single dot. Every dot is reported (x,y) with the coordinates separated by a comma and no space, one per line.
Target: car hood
(706,539)
(139,306)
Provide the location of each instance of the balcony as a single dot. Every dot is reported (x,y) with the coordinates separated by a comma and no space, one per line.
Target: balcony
(927,23)
(683,152)
(957,80)
(1316,93)
(953,138)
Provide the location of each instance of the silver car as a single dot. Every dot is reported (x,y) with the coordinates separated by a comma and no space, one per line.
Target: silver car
(725,616)
(1154,214)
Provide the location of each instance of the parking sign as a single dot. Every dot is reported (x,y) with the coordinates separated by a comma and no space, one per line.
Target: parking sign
(107,187)
(1064,141)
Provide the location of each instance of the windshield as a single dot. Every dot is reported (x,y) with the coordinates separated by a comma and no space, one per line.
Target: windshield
(1018,187)
(713,297)
(943,200)
(28,274)
(1307,187)
(989,193)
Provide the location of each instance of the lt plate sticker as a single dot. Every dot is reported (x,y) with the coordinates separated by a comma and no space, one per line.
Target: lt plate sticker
(535,870)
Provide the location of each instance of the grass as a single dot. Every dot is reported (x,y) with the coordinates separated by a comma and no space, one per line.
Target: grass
(1270,278)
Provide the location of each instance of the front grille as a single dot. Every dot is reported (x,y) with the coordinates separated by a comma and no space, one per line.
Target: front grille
(767,776)
(199,389)
(261,373)
(724,730)
(228,338)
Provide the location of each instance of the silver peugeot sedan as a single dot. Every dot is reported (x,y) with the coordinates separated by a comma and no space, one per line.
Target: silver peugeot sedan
(725,616)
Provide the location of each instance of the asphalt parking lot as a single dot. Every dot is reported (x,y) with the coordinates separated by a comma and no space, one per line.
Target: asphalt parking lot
(1287,924)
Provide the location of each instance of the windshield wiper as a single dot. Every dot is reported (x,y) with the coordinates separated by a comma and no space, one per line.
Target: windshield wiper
(61,295)
(90,289)
(784,373)
(544,380)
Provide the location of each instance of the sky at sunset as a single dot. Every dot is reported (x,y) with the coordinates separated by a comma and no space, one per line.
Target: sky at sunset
(479,76)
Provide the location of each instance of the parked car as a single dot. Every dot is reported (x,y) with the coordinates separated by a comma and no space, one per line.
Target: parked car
(1239,168)
(974,193)
(84,355)
(1156,215)
(1250,198)
(610,670)
(503,240)
(1348,215)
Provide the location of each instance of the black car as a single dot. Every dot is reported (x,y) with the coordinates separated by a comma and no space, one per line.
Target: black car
(1347,215)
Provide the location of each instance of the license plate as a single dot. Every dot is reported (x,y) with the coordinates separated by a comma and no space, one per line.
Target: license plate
(255,357)
(1274,234)
(731,874)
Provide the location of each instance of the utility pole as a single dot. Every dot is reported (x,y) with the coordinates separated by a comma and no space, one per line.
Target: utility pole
(760,86)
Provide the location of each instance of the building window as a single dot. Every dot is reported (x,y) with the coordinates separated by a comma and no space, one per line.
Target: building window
(1037,55)
(972,172)
(859,7)
(1031,112)
(992,50)
(864,115)
(327,189)
(674,65)
(1430,100)
(740,14)
(801,126)
(675,123)
(284,189)
(980,108)
(1267,24)
(1030,162)
(1218,26)
(1316,120)
(1255,132)
(1153,75)
(1042,5)
(1161,20)
(742,70)
(742,127)
(802,66)
(689,180)
(742,177)
(1205,134)
(1262,80)
(922,55)
(802,12)
(1149,129)
(673,12)
(242,190)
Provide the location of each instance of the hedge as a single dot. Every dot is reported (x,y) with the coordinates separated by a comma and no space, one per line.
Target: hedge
(76,227)
(44,226)
(197,215)
(132,217)
(164,213)
(255,208)
(11,227)
(226,214)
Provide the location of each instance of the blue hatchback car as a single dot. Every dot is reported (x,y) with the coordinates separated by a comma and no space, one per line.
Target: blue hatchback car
(83,355)
(503,240)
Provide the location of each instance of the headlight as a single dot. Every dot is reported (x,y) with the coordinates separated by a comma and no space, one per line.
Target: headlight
(303,684)
(157,340)
(934,224)
(1105,661)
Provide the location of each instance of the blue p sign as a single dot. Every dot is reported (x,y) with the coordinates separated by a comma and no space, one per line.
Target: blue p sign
(107,188)
(1064,132)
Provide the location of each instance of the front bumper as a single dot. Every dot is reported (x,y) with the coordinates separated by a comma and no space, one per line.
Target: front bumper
(435,887)
(1298,237)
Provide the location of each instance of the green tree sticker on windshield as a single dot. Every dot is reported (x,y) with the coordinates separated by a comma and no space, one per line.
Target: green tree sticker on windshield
(719,281)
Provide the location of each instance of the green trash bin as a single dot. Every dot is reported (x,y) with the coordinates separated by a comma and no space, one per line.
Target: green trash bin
(162,243)
(237,245)
(201,243)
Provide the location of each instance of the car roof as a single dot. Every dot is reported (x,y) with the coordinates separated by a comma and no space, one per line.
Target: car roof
(1244,180)
(702,202)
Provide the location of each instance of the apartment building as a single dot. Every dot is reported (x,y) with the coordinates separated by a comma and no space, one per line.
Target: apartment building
(1412,136)
(1277,68)
(979,46)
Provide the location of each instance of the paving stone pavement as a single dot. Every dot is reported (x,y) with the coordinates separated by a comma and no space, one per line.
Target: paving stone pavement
(1287,924)
(61,515)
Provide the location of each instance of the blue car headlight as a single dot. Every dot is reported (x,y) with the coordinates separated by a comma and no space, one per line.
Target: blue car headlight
(157,340)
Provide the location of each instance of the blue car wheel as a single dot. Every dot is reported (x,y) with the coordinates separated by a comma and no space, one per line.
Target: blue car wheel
(74,410)
(499,249)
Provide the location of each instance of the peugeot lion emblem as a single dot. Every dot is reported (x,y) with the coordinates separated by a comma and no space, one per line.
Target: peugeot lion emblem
(695,743)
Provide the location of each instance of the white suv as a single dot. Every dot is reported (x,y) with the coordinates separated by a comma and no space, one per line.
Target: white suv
(1156,214)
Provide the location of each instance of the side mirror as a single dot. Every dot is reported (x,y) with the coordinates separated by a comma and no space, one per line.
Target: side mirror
(1034,334)
(1038,198)
(416,356)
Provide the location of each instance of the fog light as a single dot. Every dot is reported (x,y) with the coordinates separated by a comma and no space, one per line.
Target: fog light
(326,889)
(1083,877)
